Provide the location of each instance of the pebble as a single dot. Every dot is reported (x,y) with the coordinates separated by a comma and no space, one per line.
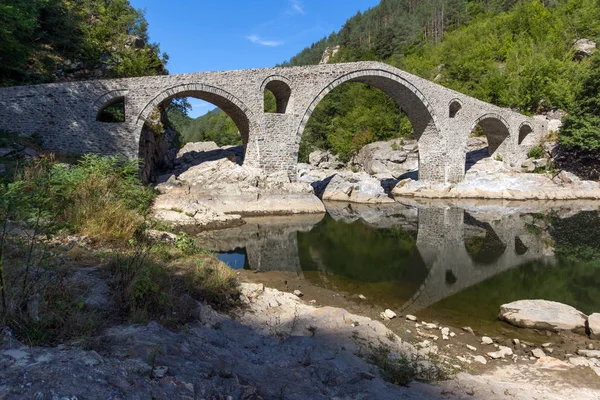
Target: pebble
(389,313)
(445,331)
(472,348)
(590,346)
(545,345)
(429,326)
(360,296)
(298,293)
(445,337)
(313,301)
(503,352)
(480,359)
(468,329)
(160,372)
(411,317)
(486,340)
(538,353)
(452,334)
(517,342)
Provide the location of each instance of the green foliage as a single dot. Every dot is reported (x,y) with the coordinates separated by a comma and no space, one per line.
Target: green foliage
(581,128)
(511,53)
(214,126)
(351,116)
(42,40)
(270,102)
(536,152)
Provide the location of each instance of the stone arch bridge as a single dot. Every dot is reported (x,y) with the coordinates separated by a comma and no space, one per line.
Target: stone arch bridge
(65,115)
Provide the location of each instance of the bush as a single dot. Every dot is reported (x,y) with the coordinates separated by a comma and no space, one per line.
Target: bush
(536,152)
(106,199)
(148,289)
(581,128)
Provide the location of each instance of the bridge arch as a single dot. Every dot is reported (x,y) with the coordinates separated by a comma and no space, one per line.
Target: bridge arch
(524,134)
(107,100)
(425,123)
(281,87)
(496,130)
(231,105)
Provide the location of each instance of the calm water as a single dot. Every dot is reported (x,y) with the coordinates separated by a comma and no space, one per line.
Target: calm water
(444,263)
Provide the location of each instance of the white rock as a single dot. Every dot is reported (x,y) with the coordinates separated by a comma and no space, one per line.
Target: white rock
(594,325)
(542,314)
(445,337)
(551,363)
(445,331)
(486,340)
(538,353)
(580,361)
(298,293)
(452,334)
(501,353)
(589,353)
(517,342)
(411,317)
(360,296)
(389,313)
(468,329)
(480,359)
(472,348)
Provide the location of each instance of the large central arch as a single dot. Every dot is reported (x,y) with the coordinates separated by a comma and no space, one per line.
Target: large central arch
(232,106)
(432,146)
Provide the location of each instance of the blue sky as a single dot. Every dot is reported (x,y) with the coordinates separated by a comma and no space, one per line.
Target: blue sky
(203,35)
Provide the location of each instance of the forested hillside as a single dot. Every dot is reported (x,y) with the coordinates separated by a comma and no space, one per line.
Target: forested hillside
(517,54)
(513,54)
(60,40)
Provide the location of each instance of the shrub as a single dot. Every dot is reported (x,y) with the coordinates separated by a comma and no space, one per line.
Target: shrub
(106,199)
(536,152)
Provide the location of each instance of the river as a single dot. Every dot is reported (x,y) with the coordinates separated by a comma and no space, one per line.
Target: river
(455,263)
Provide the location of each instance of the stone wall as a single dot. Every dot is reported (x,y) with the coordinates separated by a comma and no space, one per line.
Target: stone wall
(64,115)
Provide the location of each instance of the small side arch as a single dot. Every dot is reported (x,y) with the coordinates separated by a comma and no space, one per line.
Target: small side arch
(106,100)
(524,134)
(281,87)
(454,107)
(496,130)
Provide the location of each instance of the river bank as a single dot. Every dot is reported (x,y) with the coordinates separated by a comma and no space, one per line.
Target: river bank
(209,189)
(276,346)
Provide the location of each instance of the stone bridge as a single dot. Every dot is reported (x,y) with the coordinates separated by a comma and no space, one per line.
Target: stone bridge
(65,115)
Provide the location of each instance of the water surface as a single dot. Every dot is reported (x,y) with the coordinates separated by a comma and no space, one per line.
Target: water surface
(446,262)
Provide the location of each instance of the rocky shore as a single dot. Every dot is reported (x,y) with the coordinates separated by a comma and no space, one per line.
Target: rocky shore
(209,189)
(279,346)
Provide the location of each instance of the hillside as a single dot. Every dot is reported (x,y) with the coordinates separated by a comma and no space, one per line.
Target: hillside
(45,41)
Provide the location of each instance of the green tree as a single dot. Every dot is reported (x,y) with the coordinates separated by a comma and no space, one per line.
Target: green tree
(581,128)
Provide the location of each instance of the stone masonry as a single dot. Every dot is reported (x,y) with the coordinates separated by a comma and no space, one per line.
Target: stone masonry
(64,115)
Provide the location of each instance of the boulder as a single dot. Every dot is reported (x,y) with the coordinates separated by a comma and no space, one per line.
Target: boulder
(356,188)
(584,48)
(594,325)
(542,314)
(393,158)
(528,165)
(324,160)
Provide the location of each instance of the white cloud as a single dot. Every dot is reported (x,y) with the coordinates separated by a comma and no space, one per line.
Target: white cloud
(258,40)
(296,7)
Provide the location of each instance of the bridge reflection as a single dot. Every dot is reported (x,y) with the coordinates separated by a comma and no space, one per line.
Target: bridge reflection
(420,254)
